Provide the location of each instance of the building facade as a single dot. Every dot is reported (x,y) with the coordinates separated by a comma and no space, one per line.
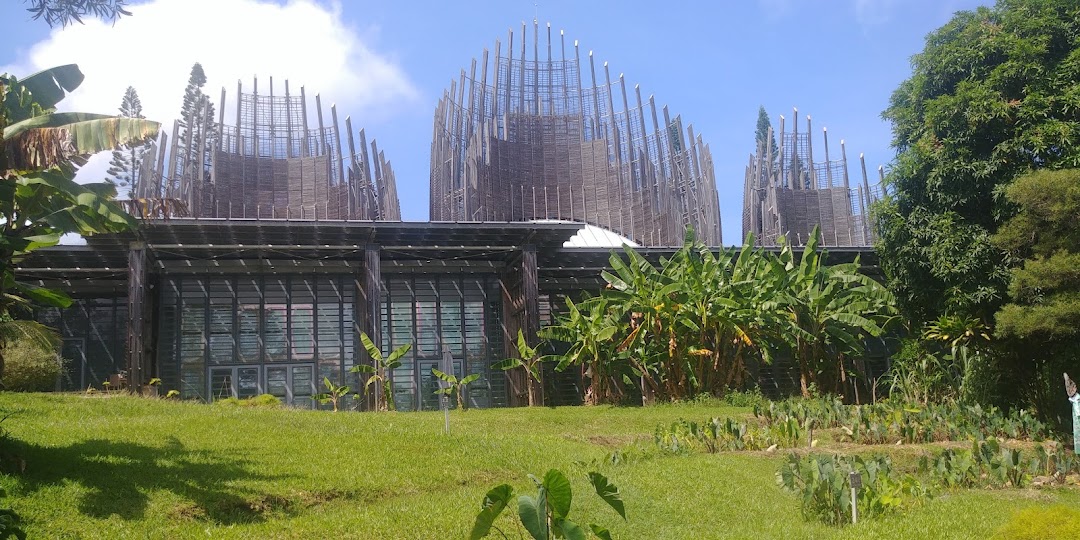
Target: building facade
(535,134)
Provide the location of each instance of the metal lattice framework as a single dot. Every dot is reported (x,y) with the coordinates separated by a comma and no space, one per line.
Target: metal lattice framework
(525,139)
(789,193)
(270,164)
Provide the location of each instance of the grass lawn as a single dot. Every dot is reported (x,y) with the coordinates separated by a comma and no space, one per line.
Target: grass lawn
(121,467)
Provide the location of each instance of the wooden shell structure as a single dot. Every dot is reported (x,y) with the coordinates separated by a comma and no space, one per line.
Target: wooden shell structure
(789,193)
(276,162)
(523,136)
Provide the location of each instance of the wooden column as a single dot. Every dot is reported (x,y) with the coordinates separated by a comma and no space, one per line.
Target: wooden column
(530,314)
(137,364)
(368,311)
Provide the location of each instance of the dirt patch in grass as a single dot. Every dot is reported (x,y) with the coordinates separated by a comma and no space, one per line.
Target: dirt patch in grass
(187,511)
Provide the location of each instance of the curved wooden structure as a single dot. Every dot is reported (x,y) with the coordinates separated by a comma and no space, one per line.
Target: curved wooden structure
(278,161)
(791,193)
(523,136)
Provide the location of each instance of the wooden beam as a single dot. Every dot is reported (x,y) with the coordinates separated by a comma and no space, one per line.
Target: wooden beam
(137,355)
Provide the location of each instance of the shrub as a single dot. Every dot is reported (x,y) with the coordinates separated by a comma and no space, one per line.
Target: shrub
(29,367)
(1037,523)
(268,401)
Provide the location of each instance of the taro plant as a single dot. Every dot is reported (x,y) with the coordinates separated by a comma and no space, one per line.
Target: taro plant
(527,360)
(454,386)
(333,393)
(824,486)
(546,515)
(380,372)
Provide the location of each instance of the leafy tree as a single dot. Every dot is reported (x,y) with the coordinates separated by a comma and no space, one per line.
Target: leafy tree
(1045,235)
(1042,319)
(993,95)
(65,12)
(39,200)
(762,133)
(127,160)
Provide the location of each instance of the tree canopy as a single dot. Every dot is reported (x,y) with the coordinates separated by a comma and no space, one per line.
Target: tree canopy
(994,94)
(1045,288)
(65,12)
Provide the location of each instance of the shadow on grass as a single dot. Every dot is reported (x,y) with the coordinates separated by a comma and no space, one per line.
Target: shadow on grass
(118,478)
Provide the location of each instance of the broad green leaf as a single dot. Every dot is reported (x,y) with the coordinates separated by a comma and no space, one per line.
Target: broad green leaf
(569,529)
(470,379)
(444,377)
(533,517)
(509,363)
(559,493)
(608,492)
(48,87)
(494,502)
(370,347)
(362,368)
(43,296)
(600,532)
(397,353)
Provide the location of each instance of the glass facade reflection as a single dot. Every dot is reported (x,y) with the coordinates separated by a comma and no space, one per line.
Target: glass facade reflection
(236,336)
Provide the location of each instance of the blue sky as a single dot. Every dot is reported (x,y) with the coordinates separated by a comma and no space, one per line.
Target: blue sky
(387,63)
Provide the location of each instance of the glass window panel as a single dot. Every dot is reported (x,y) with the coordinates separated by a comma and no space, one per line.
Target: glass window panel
(221,383)
(302,324)
(247,382)
(275,320)
(222,338)
(427,329)
(450,313)
(277,382)
(192,382)
(302,382)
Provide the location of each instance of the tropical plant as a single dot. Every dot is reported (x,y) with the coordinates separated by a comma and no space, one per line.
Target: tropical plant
(380,372)
(528,360)
(333,393)
(588,327)
(823,483)
(967,339)
(692,326)
(546,515)
(40,150)
(832,310)
(454,386)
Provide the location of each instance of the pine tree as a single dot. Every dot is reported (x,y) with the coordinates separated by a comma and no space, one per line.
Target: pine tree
(763,124)
(126,160)
(193,98)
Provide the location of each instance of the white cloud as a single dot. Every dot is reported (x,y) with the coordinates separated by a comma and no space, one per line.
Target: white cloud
(154,49)
(873,12)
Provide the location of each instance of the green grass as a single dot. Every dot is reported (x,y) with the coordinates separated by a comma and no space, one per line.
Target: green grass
(124,467)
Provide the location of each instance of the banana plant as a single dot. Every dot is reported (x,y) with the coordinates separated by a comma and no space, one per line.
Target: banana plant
(380,372)
(589,328)
(454,386)
(546,515)
(528,360)
(40,151)
(333,393)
